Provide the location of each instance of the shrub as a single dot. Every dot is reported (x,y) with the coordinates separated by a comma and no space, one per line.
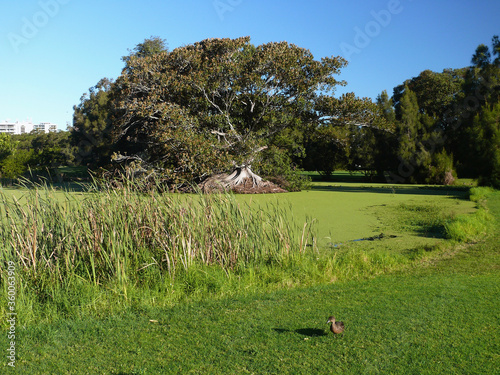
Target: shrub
(277,166)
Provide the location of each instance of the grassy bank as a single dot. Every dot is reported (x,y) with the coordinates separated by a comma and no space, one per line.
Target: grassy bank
(438,316)
(100,252)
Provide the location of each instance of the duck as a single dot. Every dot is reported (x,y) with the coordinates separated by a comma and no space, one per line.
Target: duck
(336,327)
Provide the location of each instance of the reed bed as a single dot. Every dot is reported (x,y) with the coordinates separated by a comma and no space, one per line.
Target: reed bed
(118,238)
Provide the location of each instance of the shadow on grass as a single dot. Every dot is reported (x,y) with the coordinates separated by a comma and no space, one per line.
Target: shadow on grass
(432,231)
(452,191)
(310,332)
(341,176)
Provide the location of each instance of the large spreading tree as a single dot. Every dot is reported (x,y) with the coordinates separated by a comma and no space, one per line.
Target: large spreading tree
(219,107)
(215,105)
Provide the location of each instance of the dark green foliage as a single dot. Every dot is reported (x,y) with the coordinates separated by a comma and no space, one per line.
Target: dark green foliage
(386,108)
(51,150)
(434,113)
(348,129)
(373,149)
(477,141)
(435,93)
(485,141)
(441,169)
(37,152)
(90,133)
(482,56)
(277,166)
(7,146)
(421,144)
(16,164)
(442,120)
(326,149)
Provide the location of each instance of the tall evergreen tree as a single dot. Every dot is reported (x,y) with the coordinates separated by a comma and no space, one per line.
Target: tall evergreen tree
(482,56)
(423,158)
(481,93)
(386,107)
(496,50)
(90,133)
(409,131)
(485,142)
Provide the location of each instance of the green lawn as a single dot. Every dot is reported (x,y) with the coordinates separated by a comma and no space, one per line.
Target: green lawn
(440,314)
(434,324)
(435,320)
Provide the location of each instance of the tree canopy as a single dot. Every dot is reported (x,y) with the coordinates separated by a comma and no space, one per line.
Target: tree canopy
(215,104)
(220,105)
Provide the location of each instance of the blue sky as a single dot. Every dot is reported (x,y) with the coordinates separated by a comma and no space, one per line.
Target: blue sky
(52,51)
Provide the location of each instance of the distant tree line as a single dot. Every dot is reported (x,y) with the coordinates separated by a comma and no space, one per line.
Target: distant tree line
(438,125)
(222,104)
(35,154)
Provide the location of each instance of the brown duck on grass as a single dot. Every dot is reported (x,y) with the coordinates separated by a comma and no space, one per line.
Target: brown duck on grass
(336,327)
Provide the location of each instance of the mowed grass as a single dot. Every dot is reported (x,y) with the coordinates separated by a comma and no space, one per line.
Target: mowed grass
(438,314)
(433,321)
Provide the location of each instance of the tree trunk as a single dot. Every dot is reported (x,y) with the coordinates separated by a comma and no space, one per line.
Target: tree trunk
(241,180)
(239,175)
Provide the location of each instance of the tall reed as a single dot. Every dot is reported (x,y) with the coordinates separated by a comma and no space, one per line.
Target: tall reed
(122,237)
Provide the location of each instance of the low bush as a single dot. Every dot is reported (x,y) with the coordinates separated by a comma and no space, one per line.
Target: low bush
(469,228)
(472,228)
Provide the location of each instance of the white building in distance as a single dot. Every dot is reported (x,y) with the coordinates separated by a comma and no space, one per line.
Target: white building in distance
(23,127)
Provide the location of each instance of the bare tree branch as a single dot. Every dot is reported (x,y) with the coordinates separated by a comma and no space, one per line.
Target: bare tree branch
(224,113)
